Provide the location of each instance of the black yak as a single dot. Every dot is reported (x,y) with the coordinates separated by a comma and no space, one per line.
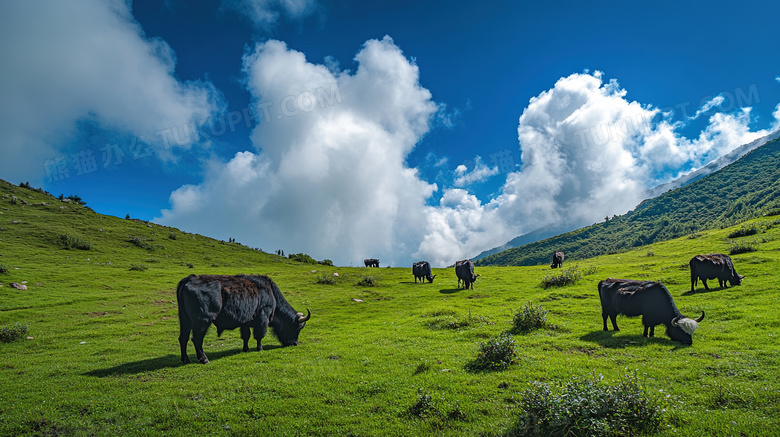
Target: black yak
(422,270)
(557,260)
(464,270)
(712,266)
(230,302)
(371,262)
(648,299)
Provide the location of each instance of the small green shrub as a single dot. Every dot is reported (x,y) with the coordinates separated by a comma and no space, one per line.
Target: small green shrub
(422,368)
(738,247)
(141,242)
(744,231)
(302,258)
(529,318)
(495,354)
(367,281)
(138,267)
(3,269)
(13,333)
(424,406)
(326,262)
(589,407)
(567,277)
(326,279)
(67,241)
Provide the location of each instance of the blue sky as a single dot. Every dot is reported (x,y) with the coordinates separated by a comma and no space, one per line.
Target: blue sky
(397,130)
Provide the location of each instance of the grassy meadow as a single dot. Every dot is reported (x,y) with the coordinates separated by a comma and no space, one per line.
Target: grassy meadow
(103,353)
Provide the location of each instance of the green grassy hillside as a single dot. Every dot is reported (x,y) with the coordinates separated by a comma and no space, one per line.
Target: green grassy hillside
(388,359)
(747,188)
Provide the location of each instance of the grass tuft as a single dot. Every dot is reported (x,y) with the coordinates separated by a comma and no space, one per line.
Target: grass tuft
(738,247)
(588,406)
(530,318)
(13,333)
(67,241)
(744,231)
(567,277)
(367,281)
(495,354)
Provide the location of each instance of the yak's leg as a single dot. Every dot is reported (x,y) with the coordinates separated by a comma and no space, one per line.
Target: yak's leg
(652,331)
(613,319)
(261,327)
(245,337)
(198,333)
(704,281)
(185,326)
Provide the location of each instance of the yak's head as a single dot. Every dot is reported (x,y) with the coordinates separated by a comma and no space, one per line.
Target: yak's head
(736,279)
(682,328)
(287,329)
(430,279)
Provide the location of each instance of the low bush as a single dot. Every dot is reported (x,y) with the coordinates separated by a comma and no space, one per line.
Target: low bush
(138,267)
(567,277)
(3,269)
(326,262)
(529,318)
(326,279)
(13,333)
(744,231)
(495,354)
(424,406)
(67,241)
(302,258)
(589,406)
(738,247)
(141,242)
(367,281)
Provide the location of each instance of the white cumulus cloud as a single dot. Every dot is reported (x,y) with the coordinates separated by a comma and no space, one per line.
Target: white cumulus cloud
(84,60)
(328,177)
(587,152)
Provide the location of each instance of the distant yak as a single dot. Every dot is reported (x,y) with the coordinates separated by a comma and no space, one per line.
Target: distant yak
(422,271)
(230,302)
(648,299)
(557,260)
(371,262)
(464,270)
(712,266)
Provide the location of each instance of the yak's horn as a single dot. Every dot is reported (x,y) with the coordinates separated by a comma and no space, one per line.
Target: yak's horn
(301,318)
(700,318)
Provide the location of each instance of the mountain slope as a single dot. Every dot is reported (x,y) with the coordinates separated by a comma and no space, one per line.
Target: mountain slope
(743,189)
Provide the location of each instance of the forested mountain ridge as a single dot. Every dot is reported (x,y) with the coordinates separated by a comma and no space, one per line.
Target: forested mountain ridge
(746,188)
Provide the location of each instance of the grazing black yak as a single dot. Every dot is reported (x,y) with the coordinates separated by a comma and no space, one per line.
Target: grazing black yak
(422,270)
(230,302)
(712,266)
(557,260)
(464,270)
(648,299)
